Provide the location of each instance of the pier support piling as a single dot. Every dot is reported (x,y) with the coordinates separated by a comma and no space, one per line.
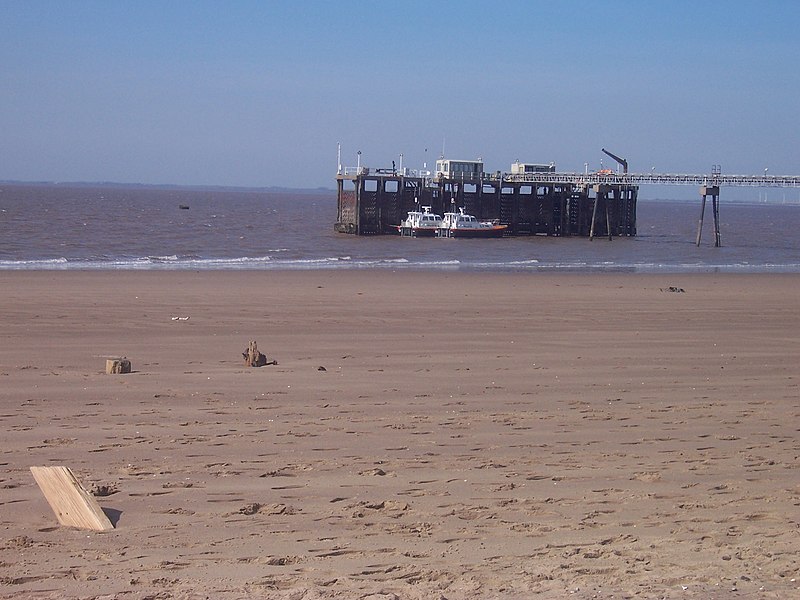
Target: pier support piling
(601,191)
(713,191)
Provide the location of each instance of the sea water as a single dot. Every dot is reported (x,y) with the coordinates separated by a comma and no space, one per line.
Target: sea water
(116,227)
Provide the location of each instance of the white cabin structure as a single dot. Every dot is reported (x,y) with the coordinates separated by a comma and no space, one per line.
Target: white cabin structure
(518,168)
(459,169)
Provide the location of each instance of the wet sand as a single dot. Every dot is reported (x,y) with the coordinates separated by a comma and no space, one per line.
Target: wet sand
(422,436)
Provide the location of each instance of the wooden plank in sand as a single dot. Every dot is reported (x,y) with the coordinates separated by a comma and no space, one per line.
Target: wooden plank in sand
(73,505)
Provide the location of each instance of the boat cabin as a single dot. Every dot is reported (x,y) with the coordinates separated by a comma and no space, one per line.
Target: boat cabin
(460,224)
(419,223)
(424,219)
(461,219)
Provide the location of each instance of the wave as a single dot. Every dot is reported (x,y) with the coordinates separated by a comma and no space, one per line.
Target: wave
(173,262)
(51,263)
(170,258)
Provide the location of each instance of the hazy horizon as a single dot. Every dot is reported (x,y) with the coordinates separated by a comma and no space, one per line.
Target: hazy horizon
(259,94)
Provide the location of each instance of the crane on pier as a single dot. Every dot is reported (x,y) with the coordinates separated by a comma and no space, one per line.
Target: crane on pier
(621,161)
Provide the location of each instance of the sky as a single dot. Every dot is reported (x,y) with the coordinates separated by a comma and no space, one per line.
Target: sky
(241,93)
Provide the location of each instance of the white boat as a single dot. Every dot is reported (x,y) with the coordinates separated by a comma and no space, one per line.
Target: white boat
(420,223)
(460,224)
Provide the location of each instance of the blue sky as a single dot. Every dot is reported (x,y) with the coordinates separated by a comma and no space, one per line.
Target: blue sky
(259,93)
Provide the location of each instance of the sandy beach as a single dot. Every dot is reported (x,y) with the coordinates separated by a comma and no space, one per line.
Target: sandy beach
(422,435)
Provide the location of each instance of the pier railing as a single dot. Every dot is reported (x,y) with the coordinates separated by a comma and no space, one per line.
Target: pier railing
(587,179)
(412,173)
(715,179)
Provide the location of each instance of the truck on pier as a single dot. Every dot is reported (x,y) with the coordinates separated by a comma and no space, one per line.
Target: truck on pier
(519,168)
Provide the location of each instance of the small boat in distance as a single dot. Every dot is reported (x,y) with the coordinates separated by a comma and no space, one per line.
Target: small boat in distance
(461,225)
(420,223)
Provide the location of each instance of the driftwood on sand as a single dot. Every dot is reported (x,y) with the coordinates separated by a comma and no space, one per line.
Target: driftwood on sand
(254,358)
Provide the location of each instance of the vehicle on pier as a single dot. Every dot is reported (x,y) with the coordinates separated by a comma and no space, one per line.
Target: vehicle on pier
(422,223)
(518,168)
(461,225)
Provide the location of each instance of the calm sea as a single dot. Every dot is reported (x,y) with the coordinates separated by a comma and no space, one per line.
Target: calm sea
(56,227)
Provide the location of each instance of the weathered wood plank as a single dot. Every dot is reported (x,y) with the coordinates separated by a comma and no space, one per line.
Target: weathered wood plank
(72,504)
(118,365)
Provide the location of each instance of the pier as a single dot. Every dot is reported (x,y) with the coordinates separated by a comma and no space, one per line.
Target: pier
(374,203)
(529,201)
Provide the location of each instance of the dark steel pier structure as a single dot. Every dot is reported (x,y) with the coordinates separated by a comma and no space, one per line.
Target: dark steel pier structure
(374,203)
(602,204)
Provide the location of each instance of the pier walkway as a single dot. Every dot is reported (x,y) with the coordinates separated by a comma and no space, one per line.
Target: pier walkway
(713,179)
(578,179)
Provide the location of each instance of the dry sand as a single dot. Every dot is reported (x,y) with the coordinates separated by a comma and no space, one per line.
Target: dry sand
(422,435)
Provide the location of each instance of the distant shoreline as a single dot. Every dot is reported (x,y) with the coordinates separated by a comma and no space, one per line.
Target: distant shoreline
(165,186)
